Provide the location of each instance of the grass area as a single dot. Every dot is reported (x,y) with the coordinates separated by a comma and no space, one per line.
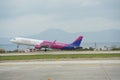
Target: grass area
(58,56)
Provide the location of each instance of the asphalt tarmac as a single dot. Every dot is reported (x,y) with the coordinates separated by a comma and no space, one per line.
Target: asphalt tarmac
(61,52)
(61,70)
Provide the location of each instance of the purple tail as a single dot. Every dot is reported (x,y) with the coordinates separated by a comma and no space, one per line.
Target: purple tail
(77,42)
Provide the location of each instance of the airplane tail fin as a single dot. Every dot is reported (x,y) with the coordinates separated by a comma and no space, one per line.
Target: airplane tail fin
(77,42)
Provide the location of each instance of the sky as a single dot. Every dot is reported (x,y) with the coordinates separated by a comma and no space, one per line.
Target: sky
(29,17)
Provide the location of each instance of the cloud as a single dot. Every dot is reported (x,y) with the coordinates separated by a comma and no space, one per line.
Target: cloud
(33,24)
(27,17)
(20,7)
(26,25)
(89,24)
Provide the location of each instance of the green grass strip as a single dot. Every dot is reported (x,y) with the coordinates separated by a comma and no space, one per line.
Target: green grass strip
(57,56)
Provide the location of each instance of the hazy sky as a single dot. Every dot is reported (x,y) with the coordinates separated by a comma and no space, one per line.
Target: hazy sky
(28,17)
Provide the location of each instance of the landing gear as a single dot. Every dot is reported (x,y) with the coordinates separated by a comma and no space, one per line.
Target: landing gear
(17,47)
(45,49)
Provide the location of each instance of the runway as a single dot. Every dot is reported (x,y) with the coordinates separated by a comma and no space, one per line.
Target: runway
(62,52)
(61,70)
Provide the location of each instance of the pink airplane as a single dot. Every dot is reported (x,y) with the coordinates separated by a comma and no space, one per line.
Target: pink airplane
(38,44)
(59,45)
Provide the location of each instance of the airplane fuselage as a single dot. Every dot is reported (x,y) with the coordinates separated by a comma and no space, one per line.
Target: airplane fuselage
(38,44)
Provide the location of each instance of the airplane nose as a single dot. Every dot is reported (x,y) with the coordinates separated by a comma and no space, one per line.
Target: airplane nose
(12,40)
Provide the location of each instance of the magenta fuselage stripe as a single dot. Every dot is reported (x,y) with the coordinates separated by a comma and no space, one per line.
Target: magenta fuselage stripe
(59,45)
(56,45)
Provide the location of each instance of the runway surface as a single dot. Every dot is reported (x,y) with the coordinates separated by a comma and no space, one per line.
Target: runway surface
(61,70)
(62,52)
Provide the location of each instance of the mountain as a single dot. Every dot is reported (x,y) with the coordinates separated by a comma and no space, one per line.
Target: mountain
(99,36)
(53,34)
(112,35)
(102,36)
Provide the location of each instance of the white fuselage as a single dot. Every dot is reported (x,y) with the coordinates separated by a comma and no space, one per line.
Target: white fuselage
(26,41)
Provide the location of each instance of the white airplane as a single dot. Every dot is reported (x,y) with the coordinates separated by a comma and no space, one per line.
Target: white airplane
(38,44)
